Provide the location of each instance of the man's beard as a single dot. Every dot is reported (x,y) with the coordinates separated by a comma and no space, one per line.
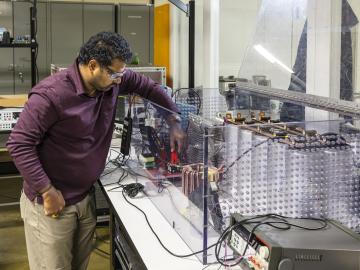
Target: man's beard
(99,88)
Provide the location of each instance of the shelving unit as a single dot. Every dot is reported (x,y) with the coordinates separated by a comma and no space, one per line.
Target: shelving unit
(33,45)
(19,45)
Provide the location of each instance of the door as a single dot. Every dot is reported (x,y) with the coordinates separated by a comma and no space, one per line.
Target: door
(66,32)
(43,40)
(97,18)
(135,25)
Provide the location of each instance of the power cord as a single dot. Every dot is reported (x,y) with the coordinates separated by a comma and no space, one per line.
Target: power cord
(118,163)
(157,237)
(281,224)
(121,178)
(249,150)
(278,222)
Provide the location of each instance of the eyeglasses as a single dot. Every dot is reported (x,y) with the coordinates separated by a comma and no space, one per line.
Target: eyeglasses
(115,75)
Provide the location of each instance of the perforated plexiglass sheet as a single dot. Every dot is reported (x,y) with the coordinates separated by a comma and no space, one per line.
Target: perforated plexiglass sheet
(312,179)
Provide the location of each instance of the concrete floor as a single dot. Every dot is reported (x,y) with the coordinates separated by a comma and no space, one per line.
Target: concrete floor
(13,249)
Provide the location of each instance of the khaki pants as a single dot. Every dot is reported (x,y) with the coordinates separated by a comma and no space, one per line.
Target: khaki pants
(63,243)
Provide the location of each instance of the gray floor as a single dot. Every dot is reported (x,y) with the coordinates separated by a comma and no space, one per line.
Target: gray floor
(13,250)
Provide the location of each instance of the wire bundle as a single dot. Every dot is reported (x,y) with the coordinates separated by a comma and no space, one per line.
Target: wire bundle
(272,220)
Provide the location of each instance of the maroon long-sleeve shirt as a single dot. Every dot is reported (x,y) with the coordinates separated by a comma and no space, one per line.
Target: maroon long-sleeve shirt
(63,135)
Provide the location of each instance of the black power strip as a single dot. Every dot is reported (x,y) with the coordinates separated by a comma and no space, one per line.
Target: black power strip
(126,136)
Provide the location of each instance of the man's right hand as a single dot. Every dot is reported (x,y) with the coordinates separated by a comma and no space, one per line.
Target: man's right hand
(53,201)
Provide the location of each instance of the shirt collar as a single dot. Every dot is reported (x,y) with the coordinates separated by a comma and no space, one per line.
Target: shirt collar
(75,76)
(78,82)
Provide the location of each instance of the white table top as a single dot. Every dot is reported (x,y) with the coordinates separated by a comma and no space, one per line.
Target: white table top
(154,256)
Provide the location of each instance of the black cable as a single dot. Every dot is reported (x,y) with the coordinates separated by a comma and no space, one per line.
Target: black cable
(112,149)
(110,160)
(221,239)
(247,151)
(228,231)
(116,161)
(274,224)
(133,173)
(125,173)
(119,163)
(281,223)
(109,172)
(122,177)
(157,237)
(271,224)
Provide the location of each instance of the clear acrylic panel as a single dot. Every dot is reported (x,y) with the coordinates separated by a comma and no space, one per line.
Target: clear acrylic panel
(240,157)
(251,151)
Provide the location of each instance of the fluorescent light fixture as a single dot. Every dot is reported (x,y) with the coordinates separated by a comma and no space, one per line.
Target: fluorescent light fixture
(272,59)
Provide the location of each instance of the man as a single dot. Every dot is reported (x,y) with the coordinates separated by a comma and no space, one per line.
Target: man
(60,144)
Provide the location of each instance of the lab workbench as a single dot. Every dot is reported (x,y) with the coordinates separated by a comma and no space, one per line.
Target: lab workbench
(133,244)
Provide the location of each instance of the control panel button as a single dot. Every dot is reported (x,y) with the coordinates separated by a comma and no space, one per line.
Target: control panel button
(285,264)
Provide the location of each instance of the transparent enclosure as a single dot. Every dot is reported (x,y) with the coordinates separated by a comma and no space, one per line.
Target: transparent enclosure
(240,157)
(280,137)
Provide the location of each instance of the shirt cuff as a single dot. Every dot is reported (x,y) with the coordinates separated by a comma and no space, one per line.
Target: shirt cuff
(40,184)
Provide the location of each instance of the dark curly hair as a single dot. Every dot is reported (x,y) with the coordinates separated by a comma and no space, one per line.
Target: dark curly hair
(104,47)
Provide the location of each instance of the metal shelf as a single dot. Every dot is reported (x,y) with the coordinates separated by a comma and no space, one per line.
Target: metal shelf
(348,108)
(19,45)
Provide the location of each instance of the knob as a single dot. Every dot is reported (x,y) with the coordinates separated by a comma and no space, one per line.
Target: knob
(285,264)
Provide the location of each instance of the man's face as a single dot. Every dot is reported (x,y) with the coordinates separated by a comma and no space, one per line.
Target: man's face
(104,78)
